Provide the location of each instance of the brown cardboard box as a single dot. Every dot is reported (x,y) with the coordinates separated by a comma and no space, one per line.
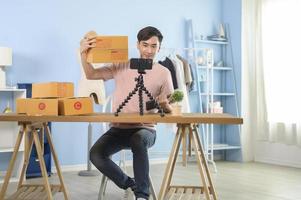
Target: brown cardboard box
(107,56)
(52,89)
(75,106)
(38,106)
(109,49)
(112,42)
(21,105)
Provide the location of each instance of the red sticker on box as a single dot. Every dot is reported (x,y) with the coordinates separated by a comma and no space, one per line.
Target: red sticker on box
(77,105)
(42,106)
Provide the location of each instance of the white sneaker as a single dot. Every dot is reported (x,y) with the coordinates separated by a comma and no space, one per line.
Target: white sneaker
(128,194)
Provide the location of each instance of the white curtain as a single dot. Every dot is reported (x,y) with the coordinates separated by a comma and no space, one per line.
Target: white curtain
(253,95)
(270,99)
(281,50)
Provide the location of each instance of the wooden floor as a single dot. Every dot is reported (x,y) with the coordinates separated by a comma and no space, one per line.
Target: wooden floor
(233,181)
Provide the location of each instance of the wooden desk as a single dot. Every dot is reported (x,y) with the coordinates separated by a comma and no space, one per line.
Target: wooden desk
(31,126)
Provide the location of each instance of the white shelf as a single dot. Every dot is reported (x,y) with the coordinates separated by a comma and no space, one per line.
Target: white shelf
(224,147)
(6,149)
(12,179)
(12,90)
(9,149)
(219,94)
(9,133)
(215,83)
(211,42)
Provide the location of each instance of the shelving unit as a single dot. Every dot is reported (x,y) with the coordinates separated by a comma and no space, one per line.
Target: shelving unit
(215,83)
(9,132)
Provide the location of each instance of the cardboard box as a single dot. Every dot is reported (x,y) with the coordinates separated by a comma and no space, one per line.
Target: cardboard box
(75,106)
(107,56)
(112,42)
(52,89)
(109,49)
(21,105)
(37,106)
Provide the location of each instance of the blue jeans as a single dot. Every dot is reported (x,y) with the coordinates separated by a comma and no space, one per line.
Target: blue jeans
(116,139)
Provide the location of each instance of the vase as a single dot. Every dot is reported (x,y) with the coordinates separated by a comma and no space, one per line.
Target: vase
(176,109)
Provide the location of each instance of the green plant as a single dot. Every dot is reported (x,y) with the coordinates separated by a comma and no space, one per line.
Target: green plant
(177,96)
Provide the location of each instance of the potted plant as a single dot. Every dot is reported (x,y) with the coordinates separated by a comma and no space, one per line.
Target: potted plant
(175,98)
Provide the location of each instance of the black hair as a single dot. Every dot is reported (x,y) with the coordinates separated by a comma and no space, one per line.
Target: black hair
(148,32)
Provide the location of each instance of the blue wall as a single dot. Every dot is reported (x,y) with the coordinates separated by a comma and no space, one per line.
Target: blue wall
(232,15)
(45,35)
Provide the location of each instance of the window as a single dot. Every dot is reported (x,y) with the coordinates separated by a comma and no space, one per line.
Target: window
(281,44)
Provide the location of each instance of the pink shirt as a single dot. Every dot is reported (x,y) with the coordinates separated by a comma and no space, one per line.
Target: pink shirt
(157,81)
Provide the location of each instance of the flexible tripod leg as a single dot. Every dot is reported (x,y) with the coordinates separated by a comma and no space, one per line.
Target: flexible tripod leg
(140,100)
(126,100)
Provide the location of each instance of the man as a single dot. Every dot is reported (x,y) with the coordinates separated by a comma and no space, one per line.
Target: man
(135,136)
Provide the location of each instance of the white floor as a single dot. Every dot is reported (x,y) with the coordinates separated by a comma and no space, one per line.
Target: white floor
(233,181)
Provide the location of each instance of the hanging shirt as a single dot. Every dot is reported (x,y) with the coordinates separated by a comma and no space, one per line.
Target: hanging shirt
(187,72)
(169,65)
(192,78)
(181,81)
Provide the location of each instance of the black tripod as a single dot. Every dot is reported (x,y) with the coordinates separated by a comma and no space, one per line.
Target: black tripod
(140,88)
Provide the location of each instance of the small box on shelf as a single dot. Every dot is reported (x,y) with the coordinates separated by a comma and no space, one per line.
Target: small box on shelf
(215,107)
(52,89)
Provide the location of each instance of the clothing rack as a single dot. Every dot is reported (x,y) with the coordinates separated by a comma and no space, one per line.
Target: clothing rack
(171,48)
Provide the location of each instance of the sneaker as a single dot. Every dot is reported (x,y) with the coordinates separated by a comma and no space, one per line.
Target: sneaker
(130,183)
(128,194)
(140,198)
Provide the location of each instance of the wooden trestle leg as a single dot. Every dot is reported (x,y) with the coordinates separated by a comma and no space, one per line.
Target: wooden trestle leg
(34,134)
(186,192)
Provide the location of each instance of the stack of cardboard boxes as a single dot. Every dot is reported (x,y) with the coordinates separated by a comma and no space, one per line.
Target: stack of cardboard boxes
(109,49)
(54,98)
(57,98)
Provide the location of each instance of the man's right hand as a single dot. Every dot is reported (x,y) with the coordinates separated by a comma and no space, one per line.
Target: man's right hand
(87,42)
(165,106)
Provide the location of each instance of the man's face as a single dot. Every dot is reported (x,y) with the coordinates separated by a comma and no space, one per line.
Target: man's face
(149,48)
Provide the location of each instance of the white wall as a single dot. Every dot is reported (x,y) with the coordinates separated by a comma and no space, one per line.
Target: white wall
(279,154)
